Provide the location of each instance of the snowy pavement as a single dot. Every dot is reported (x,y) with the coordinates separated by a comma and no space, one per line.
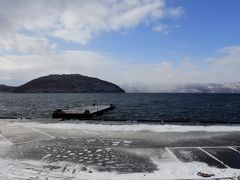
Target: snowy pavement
(31,150)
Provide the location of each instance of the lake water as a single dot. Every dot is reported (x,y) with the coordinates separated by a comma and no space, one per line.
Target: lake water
(165,107)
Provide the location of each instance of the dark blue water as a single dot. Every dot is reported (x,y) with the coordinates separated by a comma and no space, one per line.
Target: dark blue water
(165,107)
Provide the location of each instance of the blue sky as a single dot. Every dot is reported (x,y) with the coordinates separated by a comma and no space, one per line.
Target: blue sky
(205,27)
(132,43)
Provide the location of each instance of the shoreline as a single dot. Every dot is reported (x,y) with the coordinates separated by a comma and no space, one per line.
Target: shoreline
(120,126)
(121,122)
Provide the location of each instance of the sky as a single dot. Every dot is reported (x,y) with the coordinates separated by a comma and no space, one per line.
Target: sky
(134,43)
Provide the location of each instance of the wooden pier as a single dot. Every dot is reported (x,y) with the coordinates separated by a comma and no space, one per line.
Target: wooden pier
(82,112)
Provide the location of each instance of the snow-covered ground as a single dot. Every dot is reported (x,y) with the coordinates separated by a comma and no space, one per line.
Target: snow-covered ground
(136,127)
(31,150)
(15,170)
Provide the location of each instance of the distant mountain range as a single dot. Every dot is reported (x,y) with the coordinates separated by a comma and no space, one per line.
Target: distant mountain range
(186,88)
(209,88)
(73,83)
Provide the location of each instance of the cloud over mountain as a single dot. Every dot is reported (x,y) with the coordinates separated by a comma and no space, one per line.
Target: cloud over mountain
(147,77)
(40,37)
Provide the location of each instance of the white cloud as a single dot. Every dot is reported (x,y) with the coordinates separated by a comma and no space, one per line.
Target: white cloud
(15,69)
(73,20)
(23,43)
(229,56)
(175,12)
(161,28)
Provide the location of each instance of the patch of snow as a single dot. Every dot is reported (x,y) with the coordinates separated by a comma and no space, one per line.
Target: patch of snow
(48,155)
(99,150)
(136,127)
(115,143)
(16,169)
(4,144)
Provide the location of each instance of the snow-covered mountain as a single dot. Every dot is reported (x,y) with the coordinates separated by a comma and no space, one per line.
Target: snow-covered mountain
(184,88)
(209,88)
